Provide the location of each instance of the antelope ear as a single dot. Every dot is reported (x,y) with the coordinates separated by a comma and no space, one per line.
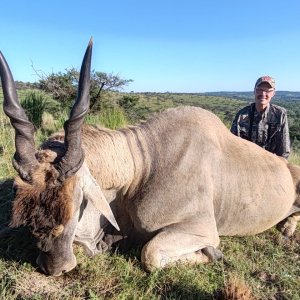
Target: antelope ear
(92,192)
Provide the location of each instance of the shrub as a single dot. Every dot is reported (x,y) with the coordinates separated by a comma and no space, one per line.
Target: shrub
(34,103)
(112,118)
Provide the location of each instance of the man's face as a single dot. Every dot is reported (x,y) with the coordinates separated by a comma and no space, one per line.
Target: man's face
(263,95)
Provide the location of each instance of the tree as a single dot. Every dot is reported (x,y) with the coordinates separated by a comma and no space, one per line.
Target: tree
(101,82)
(63,86)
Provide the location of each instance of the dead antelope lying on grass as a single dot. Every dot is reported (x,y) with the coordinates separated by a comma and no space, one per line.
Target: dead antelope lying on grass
(174,183)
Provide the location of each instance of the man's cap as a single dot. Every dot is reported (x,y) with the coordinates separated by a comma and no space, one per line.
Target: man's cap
(267,79)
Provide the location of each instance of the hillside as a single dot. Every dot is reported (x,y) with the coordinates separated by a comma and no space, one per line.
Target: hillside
(139,106)
(224,104)
(280,95)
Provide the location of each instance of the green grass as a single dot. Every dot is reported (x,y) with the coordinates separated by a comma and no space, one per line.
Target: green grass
(34,103)
(265,266)
(6,148)
(295,158)
(112,118)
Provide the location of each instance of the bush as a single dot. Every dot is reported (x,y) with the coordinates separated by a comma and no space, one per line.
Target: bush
(112,118)
(34,103)
(128,101)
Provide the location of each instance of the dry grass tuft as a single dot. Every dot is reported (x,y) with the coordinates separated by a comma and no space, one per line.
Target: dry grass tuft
(237,289)
(49,122)
(31,284)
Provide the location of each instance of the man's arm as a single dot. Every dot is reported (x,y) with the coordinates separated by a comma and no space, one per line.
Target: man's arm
(284,147)
(234,125)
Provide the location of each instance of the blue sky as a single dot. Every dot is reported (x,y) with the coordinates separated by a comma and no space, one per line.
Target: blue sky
(163,45)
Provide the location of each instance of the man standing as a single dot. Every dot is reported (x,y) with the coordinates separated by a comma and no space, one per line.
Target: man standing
(262,122)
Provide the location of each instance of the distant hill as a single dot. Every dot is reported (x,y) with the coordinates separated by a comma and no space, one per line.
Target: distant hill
(279,96)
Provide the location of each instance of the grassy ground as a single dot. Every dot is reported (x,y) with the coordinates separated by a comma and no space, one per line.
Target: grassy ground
(262,267)
(265,266)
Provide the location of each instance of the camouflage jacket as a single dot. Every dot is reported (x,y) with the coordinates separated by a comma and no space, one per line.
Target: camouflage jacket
(269,130)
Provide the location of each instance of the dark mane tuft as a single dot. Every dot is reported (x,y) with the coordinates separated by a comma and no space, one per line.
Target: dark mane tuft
(43,204)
